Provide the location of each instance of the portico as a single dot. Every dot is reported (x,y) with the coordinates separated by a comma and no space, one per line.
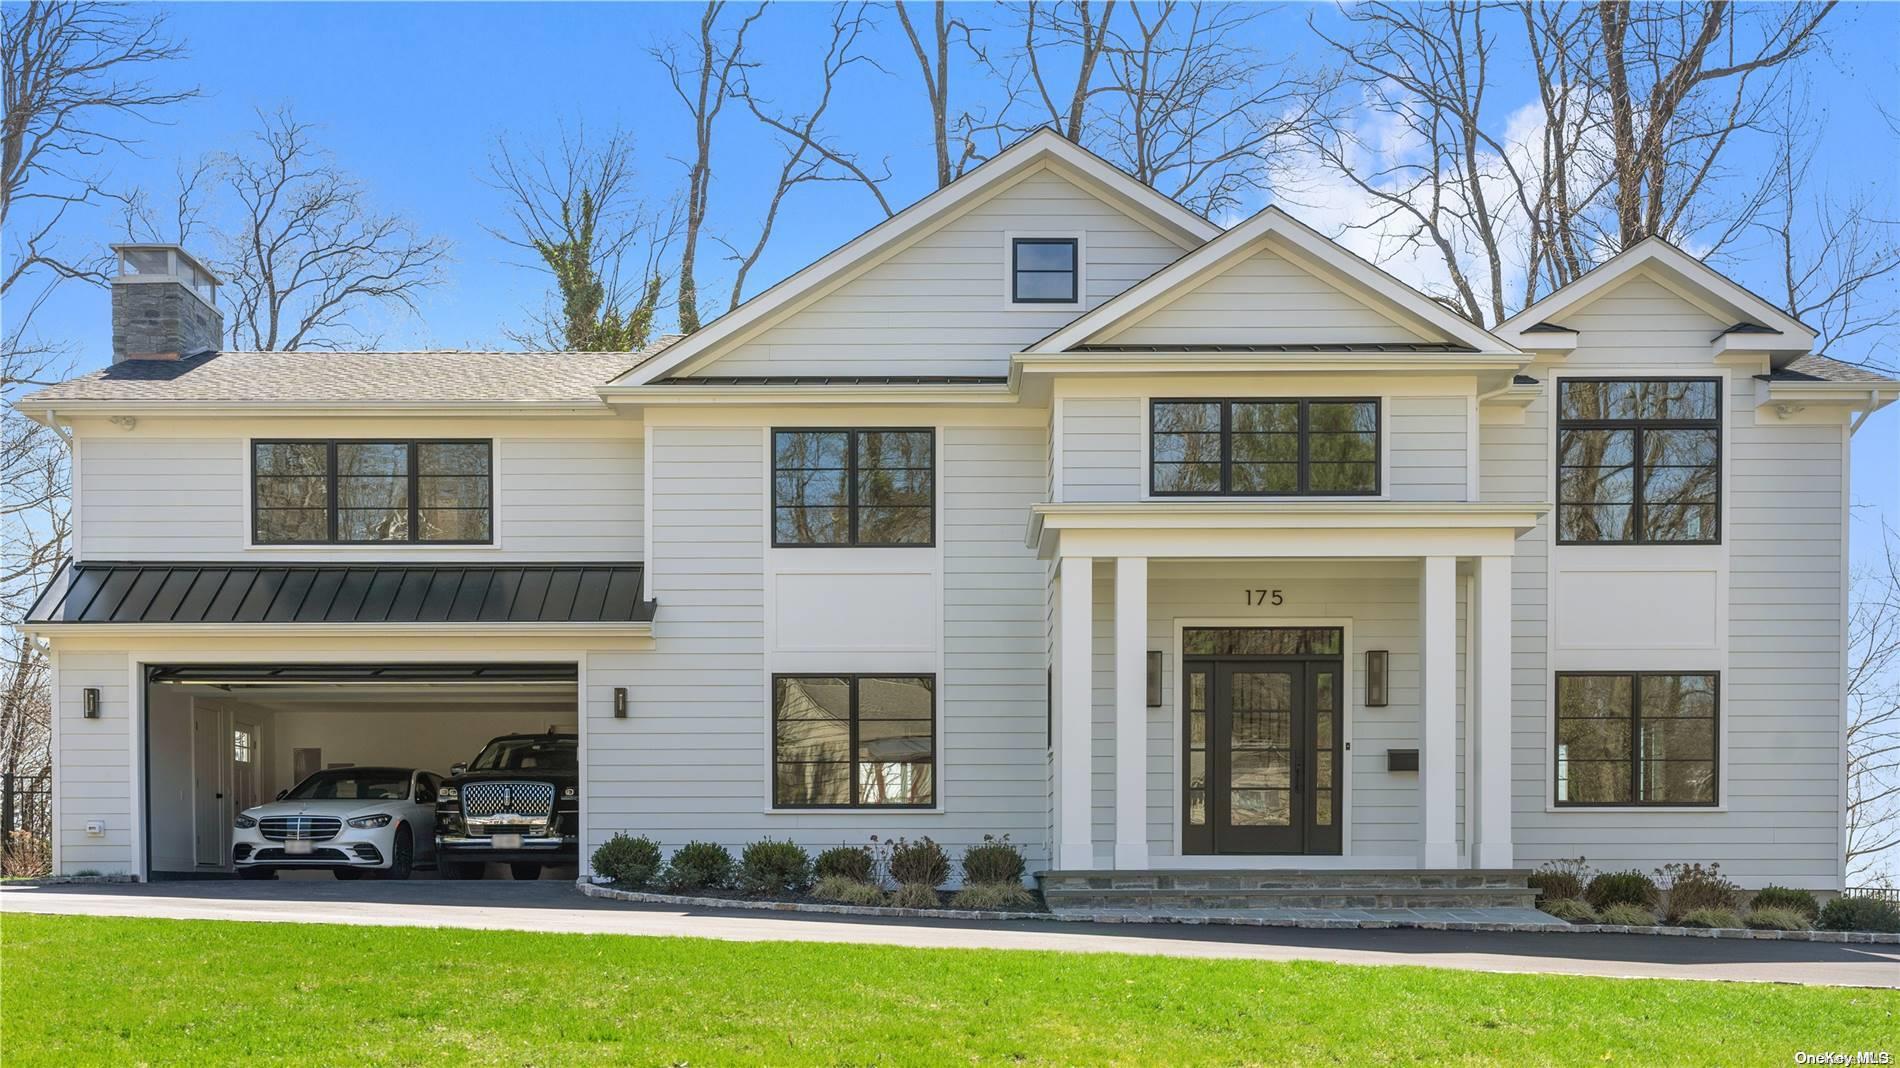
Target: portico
(1236,749)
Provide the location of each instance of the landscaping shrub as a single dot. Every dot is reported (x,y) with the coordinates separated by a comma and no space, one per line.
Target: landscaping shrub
(1723,918)
(628,861)
(916,896)
(1570,910)
(994,861)
(1780,897)
(1860,914)
(768,867)
(922,862)
(699,866)
(845,861)
(848,891)
(994,895)
(1627,915)
(1559,880)
(1693,888)
(1775,918)
(1621,888)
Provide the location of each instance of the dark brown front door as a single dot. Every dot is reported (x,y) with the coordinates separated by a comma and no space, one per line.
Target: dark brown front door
(1262,771)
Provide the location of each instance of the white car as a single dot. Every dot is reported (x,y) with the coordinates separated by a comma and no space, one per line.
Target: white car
(345,820)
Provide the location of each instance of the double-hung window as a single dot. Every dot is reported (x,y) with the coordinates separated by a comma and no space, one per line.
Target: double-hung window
(854,741)
(1043,270)
(853,487)
(363,492)
(1636,738)
(1639,461)
(1264,448)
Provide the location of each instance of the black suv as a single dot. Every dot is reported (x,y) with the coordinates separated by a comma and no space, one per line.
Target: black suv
(517,804)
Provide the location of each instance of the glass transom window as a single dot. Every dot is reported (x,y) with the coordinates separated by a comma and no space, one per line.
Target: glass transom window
(1043,270)
(361,492)
(1264,448)
(1639,461)
(1636,738)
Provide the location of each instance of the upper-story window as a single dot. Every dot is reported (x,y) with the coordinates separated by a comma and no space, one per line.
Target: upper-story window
(1265,448)
(854,487)
(359,492)
(1042,270)
(1639,461)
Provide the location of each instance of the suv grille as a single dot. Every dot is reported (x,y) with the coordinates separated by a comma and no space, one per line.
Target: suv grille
(521,798)
(299,828)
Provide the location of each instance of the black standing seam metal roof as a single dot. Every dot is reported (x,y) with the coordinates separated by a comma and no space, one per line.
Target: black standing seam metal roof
(344,593)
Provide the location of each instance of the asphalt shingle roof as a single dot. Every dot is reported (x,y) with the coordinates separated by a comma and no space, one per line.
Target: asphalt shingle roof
(355,377)
(1813,368)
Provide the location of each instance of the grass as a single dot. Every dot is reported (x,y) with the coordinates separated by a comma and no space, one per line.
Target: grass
(85,990)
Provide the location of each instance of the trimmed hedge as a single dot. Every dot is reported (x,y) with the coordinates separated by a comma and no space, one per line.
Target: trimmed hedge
(921,863)
(631,862)
(995,861)
(845,862)
(1622,888)
(1781,897)
(768,867)
(1693,888)
(699,866)
(1860,914)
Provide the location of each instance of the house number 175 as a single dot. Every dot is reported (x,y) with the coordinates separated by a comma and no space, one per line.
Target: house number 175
(1259,597)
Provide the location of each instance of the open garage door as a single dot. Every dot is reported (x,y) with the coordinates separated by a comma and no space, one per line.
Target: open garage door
(224,738)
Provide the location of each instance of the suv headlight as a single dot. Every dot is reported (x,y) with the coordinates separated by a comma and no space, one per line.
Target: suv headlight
(245,823)
(381,819)
(448,793)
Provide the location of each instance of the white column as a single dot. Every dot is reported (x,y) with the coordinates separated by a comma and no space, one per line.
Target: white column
(1131,712)
(1491,725)
(1438,712)
(1074,752)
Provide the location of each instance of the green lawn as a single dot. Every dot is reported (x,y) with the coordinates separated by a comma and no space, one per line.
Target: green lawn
(85,990)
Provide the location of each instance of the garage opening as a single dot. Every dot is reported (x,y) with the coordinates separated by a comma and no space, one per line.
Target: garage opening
(313,750)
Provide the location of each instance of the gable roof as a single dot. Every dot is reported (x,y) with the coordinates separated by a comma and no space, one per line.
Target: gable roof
(1042,148)
(1782,334)
(263,379)
(1273,227)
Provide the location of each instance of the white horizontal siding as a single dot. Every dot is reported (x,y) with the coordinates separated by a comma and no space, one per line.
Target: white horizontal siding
(153,498)
(1262,300)
(937,307)
(1427,451)
(93,763)
(1101,444)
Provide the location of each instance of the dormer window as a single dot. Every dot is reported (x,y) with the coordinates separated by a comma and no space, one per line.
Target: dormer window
(1043,270)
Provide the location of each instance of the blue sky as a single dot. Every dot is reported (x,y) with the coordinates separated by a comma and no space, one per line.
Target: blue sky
(410,97)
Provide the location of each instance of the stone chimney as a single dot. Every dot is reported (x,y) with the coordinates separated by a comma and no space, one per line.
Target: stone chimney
(164,305)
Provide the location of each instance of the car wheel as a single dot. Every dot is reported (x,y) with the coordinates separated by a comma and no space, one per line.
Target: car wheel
(403,855)
(347,874)
(525,871)
(257,873)
(454,870)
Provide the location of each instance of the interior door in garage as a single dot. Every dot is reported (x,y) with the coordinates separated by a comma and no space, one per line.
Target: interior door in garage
(210,768)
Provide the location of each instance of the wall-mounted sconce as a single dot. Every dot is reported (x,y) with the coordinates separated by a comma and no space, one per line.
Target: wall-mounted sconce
(1154,678)
(89,701)
(1377,663)
(620,702)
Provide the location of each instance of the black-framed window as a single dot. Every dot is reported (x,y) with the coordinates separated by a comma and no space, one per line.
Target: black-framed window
(873,488)
(1270,447)
(854,741)
(370,492)
(1639,461)
(1044,270)
(1637,738)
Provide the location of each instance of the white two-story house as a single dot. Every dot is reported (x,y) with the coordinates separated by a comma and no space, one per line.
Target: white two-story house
(1044,508)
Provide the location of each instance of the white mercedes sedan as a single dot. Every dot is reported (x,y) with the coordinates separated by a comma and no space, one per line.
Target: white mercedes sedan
(345,820)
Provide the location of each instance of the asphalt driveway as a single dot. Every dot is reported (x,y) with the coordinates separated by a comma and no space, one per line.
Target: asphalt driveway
(555,906)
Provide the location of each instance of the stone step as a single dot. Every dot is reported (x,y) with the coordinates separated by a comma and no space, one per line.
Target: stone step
(1301,897)
(1454,879)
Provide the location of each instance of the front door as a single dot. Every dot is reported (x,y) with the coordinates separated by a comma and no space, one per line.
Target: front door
(1262,774)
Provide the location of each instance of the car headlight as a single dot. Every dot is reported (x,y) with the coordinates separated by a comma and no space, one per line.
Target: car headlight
(570,793)
(448,793)
(245,823)
(381,819)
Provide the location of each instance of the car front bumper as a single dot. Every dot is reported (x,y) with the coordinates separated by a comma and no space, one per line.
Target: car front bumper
(483,847)
(352,847)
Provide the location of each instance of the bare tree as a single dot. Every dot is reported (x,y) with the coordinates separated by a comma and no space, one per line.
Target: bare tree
(578,210)
(703,80)
(1873,709)
(809,155)
(1077,31)
(953,136)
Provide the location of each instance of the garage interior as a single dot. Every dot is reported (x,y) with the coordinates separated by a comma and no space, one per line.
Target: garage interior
(222,738)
